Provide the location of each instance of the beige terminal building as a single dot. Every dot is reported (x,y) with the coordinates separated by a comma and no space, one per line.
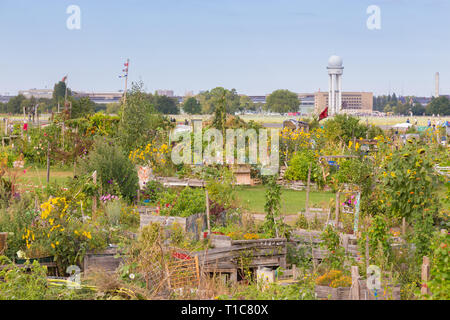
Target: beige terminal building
(352,102)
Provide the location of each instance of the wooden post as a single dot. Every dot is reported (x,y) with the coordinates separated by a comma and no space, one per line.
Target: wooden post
(354,293)
(425,275)
(367,252)
(94,198)
(307,191)
(48,162)
(207,212)
(294,271)
(337,209)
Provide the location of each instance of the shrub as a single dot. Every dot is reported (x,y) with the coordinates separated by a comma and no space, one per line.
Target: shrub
(299,166)
(113,167)
(188,202)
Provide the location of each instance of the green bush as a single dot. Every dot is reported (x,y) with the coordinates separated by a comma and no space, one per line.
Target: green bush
(299,166)
(113,168)
(188,202)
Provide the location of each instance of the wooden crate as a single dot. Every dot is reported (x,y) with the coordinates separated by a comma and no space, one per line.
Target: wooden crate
(226,258)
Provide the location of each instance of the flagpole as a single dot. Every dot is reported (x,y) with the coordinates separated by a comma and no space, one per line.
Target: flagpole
(126,82)
(126,85)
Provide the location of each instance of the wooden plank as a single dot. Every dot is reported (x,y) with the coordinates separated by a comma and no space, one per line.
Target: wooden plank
(425,275)
(355,283)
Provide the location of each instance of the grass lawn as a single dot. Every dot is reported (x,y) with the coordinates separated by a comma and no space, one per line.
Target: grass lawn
(38,177)
(422,121)
(253,199)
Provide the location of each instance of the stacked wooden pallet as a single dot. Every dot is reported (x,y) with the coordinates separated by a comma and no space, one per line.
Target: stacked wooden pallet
(229,255)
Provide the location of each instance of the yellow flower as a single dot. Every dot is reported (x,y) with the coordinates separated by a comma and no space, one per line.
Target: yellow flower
(393,174)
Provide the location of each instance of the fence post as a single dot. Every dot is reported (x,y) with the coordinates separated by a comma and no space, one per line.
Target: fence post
(337,209)
(354,293)
(367,251)
(207,212)
(425,275)
(307,191)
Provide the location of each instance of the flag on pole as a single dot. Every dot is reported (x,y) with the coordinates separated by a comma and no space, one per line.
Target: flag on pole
(323,114)
(64,79)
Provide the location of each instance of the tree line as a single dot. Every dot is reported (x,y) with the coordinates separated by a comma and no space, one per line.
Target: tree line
(406,106)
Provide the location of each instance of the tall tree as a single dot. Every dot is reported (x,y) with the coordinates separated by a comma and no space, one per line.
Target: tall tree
(283,101)
(209,100)
(166,105)
(15,104)
(192,106)
(440,105)
(136,119)
(81,107)
(245,103)
(59,91)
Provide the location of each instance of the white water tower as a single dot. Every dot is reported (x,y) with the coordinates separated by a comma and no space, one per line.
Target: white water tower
(335,71)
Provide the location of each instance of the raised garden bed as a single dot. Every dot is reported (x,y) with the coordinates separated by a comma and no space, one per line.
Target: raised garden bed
(329,293)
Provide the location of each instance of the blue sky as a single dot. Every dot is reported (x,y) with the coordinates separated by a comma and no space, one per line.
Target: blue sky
(255,46)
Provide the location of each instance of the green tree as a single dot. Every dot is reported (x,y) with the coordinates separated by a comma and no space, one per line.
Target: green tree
(136,119)
(166,105)
(344,127)
(81,107)
(59,91)
(113,108)
(15,104)
(245,103)
(192,106)
(209,100)
(418,109)
(439,106)
(283,101)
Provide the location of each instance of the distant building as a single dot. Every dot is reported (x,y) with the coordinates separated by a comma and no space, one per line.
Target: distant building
(258,99)
(167,93)
(100,97)
(422,100)
(37,93)
(307,101)
(5,99)
(352,102)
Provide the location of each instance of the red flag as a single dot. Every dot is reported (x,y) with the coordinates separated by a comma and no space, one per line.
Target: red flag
(64,79)
(324,114)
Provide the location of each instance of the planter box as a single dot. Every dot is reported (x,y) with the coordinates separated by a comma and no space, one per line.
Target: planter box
(40,260)
(329,293)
